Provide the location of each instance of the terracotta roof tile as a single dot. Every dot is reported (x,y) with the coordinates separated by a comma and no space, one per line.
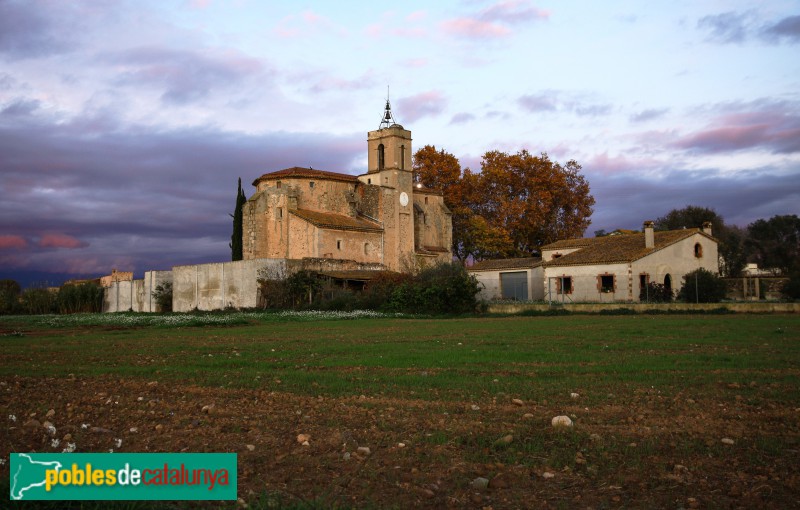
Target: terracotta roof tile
(336,221)
(495,264)
(615,249)
(297,172)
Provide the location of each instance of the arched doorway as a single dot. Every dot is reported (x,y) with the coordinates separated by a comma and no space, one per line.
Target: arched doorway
(668,283)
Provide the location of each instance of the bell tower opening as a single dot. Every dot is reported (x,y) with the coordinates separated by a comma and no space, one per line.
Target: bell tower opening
(389,146)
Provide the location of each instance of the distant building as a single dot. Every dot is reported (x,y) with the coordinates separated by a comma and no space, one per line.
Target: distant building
(603,269)
(116,276)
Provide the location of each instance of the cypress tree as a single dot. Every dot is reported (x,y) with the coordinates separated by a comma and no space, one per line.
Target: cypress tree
(238,221)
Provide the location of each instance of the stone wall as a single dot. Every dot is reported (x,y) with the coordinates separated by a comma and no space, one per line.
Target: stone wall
(220,285)
(134,295)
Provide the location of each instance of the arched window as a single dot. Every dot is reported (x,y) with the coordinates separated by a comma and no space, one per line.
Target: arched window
(698,250)
(402,157)
(668,283)
(380,157)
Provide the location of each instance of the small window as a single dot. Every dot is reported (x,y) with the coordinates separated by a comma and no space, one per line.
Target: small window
(644,279)
(402,157)
(380,157)
(338,244)
(606,283)
(366,248)
(698,250)
(426,200)
(564,285)
(278,185)
(279,213)
(556,255)
(369,181)
(311,184)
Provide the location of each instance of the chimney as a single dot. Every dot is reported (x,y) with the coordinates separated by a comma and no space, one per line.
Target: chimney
(649,237)
(707,227)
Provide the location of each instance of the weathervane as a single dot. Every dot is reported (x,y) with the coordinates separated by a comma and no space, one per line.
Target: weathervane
(387,119)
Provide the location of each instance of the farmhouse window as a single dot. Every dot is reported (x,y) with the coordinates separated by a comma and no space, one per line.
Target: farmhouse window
(311,184)
(606,283)
(279,213)
(564,285)
(278,185)
(698,250)
(338,244)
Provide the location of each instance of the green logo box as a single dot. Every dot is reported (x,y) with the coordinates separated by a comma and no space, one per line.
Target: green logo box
(123,476)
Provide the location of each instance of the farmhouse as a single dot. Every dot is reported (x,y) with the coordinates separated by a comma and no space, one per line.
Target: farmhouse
(602,269)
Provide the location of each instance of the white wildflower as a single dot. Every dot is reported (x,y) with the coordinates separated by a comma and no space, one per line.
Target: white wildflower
(84,426)
(12,417)
(54,443)
(118,442)
(51,430)
(69,449)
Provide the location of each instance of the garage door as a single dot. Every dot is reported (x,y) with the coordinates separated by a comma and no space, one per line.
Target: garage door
(514,285)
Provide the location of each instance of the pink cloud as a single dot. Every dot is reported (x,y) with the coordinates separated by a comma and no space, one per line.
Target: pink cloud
(8,242)
(199,4)
(474,29)
(304,23)
(425,104)
(415,62)
(61,241)
(417,16)
(513,11)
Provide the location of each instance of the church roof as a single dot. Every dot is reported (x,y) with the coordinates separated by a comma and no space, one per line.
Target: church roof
(495,264)
(298,172)
(615,249)
(336,221)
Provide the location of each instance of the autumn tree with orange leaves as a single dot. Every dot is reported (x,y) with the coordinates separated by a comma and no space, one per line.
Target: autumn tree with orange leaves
(514,206)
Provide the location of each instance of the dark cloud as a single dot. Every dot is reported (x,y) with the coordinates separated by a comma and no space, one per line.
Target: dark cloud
(592,110)
(650,114)
(30,29)
(768,125)
(626,200)
(135,197)
(787,29)
(184,75)
(728,27)
(21,107)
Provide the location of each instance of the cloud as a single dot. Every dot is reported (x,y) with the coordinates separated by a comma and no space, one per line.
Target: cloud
(61,241)
(152,196)
(425,104)
(763,124)
(306,23)
(552,100)
(321,81)
(494,21)
(20,107)
(185,76)
(8,242)
(787,29)
(545,102)
(728,27)
(30,29)
(650,114)
(461,118)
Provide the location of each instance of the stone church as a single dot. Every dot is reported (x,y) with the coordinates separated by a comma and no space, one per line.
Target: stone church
(381,217)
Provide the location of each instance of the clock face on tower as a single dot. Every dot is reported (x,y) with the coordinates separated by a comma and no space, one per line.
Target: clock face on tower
(403,199)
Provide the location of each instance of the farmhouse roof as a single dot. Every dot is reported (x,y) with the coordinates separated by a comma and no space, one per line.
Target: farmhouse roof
(615,249)
(336,221)
(496,264)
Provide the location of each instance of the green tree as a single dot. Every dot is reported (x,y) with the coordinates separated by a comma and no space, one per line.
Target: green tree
(775,243)
(238,224)
(9,296)
(702,286)
(163,296)
(731,238)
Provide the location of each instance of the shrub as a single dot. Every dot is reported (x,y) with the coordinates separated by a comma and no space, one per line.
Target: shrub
(703,286)
(38,301)
(444,288)
(655,293)
(791,289)
(9,296)
(81,298)
(163,296)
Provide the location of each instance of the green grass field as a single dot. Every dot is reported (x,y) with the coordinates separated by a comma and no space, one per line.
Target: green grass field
(533,357)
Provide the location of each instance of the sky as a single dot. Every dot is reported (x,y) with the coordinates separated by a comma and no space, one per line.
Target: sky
(124,125)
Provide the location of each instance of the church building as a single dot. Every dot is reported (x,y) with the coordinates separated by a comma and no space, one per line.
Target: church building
(380,217)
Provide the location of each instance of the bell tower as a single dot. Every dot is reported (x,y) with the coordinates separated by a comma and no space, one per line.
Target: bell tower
(389,146)
(389,166)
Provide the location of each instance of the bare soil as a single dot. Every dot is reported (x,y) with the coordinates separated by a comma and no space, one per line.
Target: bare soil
(644,451)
